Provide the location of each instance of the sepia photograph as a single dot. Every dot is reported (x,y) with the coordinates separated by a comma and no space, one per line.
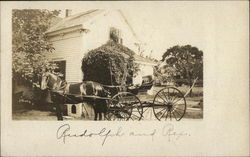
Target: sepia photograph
(93,65)
(124,78)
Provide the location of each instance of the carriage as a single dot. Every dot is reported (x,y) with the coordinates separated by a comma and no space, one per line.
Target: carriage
(124,103)
(168,103)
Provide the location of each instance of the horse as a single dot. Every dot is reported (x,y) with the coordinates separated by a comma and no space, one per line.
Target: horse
(72,93)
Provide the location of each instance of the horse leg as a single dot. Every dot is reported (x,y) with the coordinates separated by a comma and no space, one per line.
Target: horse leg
(105,108)
(100,115)
(59,112)
(96,109)
(104,115)
(96,113)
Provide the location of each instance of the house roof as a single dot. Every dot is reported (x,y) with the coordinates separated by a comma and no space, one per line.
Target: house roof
(144,60)
(74,20)
(83,17)
(111,46)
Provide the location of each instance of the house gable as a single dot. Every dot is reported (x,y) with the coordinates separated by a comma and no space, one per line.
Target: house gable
(100,30)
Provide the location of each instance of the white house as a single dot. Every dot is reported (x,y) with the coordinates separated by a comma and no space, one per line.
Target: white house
(75,35)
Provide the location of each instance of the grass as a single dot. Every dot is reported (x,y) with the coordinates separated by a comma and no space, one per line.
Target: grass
(195,114)
(33,115)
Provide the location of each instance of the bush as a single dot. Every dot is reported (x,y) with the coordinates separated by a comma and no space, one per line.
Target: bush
(110,64)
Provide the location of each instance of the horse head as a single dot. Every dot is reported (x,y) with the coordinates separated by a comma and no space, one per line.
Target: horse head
(50,81)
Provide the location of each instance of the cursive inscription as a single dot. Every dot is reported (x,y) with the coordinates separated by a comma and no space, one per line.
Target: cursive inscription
(150,134)
(169,131)
(63,133)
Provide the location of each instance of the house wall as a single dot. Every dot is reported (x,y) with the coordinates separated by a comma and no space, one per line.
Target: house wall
(100,28)
(146,69)
(68,47)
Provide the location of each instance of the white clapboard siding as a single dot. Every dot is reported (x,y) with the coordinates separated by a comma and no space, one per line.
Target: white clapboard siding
(69,49)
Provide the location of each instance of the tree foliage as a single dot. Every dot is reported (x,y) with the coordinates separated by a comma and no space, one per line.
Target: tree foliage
(29,42)
(165,73)
(110,64)
(186,60)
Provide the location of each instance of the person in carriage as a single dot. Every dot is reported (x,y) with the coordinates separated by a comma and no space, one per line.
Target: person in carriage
(140,83)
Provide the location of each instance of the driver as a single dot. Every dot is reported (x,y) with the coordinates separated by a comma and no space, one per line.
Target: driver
(137,79)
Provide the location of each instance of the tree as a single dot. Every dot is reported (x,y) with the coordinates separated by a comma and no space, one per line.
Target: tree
(187,61)
(29,42)
(110,64)
(164,73)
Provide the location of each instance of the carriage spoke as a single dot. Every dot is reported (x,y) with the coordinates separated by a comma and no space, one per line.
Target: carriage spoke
(179,109)
(132,118)
(180,104)
(165,96)
(170,116)
(160,111)
(175,116)
(159,102)
(178,115)
(166,116)
(146,109)
(177,112)
(135,116)
(177,100)
(171,95)
(164,113)
(162,98)
(168,92)
(175,96)
(181,114)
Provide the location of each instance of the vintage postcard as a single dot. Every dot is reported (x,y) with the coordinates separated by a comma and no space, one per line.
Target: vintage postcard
(135,78)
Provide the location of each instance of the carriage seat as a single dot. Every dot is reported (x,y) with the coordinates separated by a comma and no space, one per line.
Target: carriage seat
(134,89)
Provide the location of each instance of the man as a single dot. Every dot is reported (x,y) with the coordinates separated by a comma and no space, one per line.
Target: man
(137,79)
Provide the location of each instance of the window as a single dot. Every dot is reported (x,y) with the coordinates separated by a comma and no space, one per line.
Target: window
(73,109)
(115,35)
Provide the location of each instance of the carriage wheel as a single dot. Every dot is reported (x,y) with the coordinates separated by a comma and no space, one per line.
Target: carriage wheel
(124,106)
(169,103)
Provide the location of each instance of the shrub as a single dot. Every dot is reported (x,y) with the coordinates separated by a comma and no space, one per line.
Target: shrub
(110,64)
